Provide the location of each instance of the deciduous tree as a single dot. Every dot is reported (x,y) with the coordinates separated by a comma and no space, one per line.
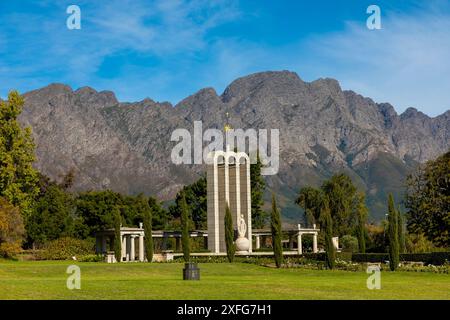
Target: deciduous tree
(18,178)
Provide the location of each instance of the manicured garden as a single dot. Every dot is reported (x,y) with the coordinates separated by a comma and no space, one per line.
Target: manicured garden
(47,280)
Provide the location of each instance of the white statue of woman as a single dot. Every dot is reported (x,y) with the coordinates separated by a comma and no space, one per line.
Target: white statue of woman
(242,227)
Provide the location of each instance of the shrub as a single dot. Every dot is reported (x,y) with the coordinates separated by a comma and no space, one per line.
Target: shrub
(418,243)
(66,248)
(349,243)
(91,258)
(10,249)
(11,229)
(370,257)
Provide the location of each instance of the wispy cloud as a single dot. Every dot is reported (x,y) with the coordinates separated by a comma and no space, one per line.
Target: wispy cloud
(157,30)
(406,63)
(167,49)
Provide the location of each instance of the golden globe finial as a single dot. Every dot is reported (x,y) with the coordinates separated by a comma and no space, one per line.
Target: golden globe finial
(227,126)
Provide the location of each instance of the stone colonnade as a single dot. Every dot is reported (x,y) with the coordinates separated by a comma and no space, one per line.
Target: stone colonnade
(131,239)
(298,233)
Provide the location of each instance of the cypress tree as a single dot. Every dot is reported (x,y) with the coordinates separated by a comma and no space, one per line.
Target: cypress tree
(276,233)
(257,186)
(185,240)
(327,221)
(117,236)
(393,234)
(401,232)
(229,235)
(361,227)
(147,215)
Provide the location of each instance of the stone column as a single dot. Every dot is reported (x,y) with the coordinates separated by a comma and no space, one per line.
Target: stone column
(111,243)
(124,247)
(103,244)
(299,243)
(205,242)
(315,243)
(291,242)
(132,249)
(98,245)
(141,248)
(128,245)
(257,242)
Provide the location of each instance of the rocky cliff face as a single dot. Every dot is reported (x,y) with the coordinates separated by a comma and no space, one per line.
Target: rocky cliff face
(323,130)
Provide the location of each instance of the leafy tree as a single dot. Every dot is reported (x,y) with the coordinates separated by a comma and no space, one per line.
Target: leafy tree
(96,208)
(376,238)
(341,194)
(346,204)
(52,216)
(257,186)
(349,243)
(147,215)
(428,200)
(195,198)
(276,233)
(12,230)
(418,243)
(229,234)
(117,235)
(394,256)
(311,200)
(327,222)
(159,215)
(185,223)
(18,178)
(361,214)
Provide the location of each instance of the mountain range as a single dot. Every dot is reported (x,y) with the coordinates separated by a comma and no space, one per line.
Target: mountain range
(126,147)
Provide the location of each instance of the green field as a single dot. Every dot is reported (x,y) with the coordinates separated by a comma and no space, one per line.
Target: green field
(47,280)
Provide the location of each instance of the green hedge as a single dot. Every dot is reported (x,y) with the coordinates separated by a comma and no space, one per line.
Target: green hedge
(434,258)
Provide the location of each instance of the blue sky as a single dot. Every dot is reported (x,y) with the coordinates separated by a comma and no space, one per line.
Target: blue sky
(169,49)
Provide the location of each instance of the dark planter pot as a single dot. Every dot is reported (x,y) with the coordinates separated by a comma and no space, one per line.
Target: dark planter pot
(191,271)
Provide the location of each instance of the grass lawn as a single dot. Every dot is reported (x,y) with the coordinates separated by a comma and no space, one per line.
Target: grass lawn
(47,280)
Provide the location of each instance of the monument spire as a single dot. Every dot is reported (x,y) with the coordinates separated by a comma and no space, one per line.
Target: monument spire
(227,127)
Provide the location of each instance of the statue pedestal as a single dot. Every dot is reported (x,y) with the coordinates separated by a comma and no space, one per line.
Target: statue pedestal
(242,245)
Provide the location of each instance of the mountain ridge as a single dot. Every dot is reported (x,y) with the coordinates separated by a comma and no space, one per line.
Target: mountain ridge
(323,129)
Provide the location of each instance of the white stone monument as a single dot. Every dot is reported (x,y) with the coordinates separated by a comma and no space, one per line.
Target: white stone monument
(228,182)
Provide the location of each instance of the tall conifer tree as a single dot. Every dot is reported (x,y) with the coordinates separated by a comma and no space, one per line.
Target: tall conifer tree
(394,257)
(276,233)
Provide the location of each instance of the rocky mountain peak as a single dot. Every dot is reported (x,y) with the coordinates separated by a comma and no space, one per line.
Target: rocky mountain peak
(323,130)
(276,82)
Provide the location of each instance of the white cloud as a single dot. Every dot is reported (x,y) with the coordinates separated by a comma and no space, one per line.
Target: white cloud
(407,63)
